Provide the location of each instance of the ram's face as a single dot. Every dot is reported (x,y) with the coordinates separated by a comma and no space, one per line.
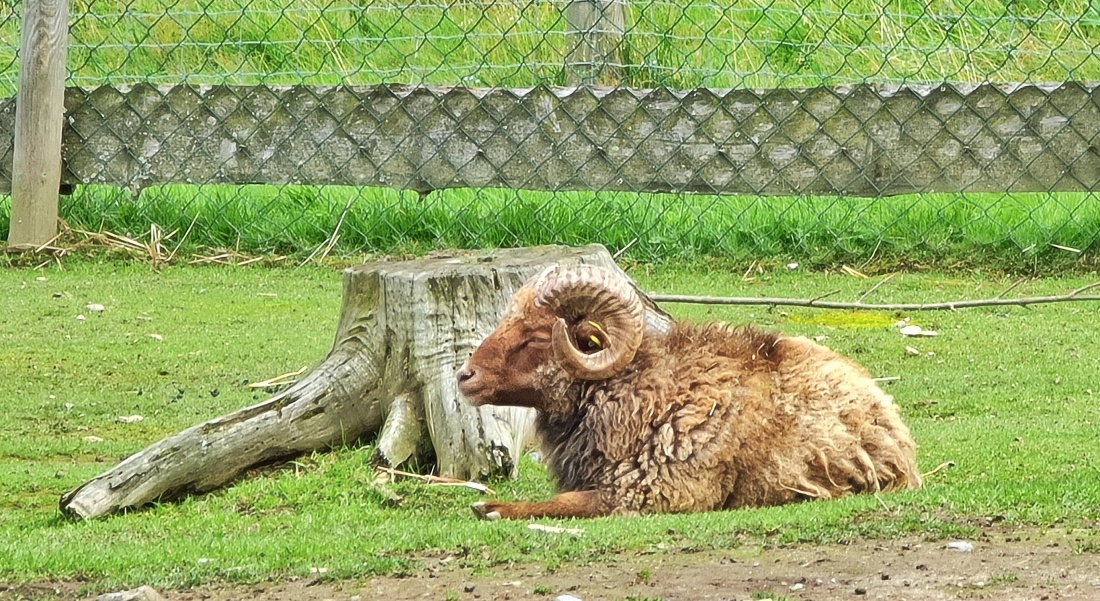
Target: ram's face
(563,325)
(510,365)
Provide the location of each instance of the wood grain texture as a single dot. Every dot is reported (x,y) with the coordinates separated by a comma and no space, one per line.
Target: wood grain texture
(35,154)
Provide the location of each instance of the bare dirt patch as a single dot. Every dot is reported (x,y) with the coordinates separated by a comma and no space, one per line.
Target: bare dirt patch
(1031,565)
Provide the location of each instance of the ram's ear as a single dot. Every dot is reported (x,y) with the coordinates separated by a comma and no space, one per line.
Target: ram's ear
(588,336)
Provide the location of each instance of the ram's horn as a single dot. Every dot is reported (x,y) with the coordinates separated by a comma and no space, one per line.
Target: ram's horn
(599,295)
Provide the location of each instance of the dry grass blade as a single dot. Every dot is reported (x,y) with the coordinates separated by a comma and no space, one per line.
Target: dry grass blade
(942,466)
(279,380)
(438,480)
(326,247)
(623,250)
(853,272)
(186,234)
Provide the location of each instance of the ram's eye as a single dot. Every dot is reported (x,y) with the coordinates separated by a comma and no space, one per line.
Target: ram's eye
(535,342)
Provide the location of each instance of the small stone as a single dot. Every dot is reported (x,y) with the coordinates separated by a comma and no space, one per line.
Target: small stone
(566,598)
(912,351)
(80,318)
(40,279)
(797,587)
(95,307)
(861,591)
(913,331)
(792,266)
(885,576)
(469,588)
(129,419)
(156,337)
(959,545)
(144,593)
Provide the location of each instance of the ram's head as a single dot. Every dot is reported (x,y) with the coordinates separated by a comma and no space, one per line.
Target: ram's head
(565,324)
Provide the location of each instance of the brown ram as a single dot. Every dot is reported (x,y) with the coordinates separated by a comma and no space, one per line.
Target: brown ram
(698,418)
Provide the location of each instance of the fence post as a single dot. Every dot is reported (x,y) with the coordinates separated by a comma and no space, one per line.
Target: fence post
(595,30)
(39,116)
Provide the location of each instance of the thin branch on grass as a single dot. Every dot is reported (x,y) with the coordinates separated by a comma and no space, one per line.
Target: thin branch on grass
(1010,288)
(826,295)
(438,480)
(817,303)
(875,287)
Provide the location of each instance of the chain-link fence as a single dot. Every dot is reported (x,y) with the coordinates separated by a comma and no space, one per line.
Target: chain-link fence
(892,152)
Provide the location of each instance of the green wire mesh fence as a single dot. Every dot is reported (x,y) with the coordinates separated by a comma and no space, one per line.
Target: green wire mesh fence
(919,131)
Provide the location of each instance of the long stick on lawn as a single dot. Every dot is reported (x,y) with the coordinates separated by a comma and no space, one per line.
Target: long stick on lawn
(818,303)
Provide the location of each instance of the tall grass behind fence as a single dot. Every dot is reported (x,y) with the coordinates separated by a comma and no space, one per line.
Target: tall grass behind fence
(516,44)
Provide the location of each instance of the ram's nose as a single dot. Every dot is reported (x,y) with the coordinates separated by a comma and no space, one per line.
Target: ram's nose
(468,382)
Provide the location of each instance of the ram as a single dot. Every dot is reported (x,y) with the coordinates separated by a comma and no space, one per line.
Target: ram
(695,418)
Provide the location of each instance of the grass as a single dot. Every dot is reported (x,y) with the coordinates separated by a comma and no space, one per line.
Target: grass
(1009,396)
(720,44)
(1013,232)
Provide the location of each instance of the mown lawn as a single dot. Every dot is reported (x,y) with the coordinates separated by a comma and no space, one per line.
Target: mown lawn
(1008,394)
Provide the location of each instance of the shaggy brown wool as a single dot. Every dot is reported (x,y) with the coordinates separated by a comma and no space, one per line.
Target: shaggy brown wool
(709,417)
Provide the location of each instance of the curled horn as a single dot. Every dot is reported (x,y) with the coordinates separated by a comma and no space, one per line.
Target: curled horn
(596,294)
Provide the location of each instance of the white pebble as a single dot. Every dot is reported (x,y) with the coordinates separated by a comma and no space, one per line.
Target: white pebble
(960,545)
(917,331)
(95,307)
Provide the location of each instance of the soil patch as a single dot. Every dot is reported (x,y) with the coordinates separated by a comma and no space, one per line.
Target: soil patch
(1042,565)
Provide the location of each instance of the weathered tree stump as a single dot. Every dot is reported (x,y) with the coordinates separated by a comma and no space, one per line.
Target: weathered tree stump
(404,329)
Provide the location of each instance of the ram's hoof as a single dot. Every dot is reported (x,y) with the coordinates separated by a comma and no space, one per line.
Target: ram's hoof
(482,511)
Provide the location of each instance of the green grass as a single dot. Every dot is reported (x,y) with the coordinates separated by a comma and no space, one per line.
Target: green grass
(721,44)
(1011,232)
(1009,396)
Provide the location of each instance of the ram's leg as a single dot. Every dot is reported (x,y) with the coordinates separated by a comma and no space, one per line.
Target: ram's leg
(576,504)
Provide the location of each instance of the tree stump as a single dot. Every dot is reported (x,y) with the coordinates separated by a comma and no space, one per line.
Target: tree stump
(404,330)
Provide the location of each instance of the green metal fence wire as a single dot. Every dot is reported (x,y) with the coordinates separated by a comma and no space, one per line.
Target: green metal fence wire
(716,44)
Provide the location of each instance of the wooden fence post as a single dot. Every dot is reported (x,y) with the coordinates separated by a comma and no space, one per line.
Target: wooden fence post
(39,116)
(595,30)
